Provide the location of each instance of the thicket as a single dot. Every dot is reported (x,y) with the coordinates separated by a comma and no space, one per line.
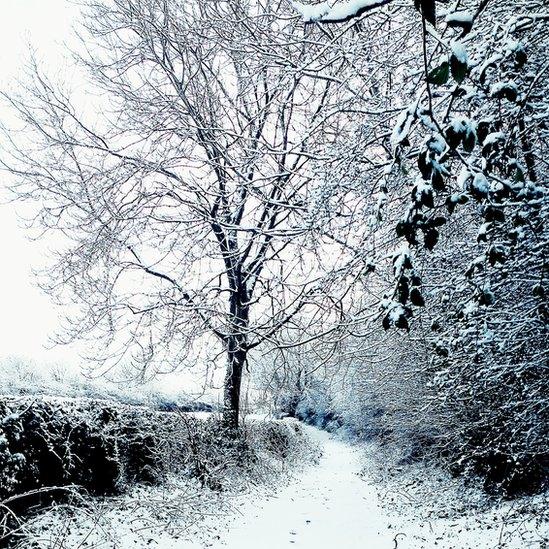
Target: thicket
(455,193)
(50,447)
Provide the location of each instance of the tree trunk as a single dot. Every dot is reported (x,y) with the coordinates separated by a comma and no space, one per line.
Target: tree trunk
(233,381)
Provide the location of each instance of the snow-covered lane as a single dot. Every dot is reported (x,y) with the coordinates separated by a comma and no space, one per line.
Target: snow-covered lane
(328,506)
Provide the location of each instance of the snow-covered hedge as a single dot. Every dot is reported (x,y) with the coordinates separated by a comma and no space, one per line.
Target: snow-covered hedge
(105,447)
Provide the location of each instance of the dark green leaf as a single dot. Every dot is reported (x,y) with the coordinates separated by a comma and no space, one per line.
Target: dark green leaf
(439,75)
(520,58)
(439,220)
(430,238)
(415,280)
(486,298)
(453,138)
(424,165)
(458,69)
(437,182)
(538,290)
(416,298)
(469,141)
(492,213)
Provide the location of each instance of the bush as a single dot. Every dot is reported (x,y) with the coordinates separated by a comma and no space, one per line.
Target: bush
(104,447)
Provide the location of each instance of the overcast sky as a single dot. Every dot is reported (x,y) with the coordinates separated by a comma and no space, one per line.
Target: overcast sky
(26,315)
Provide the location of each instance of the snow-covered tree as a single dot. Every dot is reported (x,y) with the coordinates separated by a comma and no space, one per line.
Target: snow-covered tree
(187,201)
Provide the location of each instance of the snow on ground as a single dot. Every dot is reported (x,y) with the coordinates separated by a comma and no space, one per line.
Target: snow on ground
(329,503)
(327,506)
(333,505)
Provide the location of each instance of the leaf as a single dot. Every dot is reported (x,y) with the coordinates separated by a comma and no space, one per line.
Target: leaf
(451,205)
(439,220)
(487,298)
(520,58)
(519,175)
(469,141)
(483,129)
(403,290)
(538,290)
(507,90)
(437,182)
(416,298)
(497,254)
(415,280)
(458,69)
(402,322)
(430,238)
(439,75)
(492,213)
(402,228)
(453,138)
(427,198)
(424,164)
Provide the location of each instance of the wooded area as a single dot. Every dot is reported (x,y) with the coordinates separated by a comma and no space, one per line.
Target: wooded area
(343,203)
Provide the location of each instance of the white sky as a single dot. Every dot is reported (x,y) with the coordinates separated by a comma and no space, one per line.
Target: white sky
(27,317)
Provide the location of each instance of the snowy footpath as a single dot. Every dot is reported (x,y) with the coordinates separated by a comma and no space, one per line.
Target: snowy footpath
(329,506)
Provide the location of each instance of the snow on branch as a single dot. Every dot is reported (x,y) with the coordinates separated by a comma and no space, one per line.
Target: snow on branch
(338,12)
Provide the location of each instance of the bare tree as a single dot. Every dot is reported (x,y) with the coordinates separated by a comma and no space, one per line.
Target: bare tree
(186,201)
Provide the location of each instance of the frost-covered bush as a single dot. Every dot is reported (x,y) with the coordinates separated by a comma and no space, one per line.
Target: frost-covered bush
(105,447)
(460,223)
(48,444)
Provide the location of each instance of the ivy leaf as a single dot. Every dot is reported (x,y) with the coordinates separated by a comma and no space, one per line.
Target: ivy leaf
(437,182)
(439,220)
(519,175)
(403,290)
(505,90)
(520,58)
(492,213)
(424,164)
(469,141)
(401,321)
(487,298)
(415,280)
(453,137)
(439,75)
(538,290)
(451,204)
(430,238)
(416,298)
(458,69)
(497,254)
